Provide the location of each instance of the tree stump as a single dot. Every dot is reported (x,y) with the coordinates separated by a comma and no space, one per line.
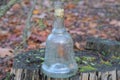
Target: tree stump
(27,66)
(103,46)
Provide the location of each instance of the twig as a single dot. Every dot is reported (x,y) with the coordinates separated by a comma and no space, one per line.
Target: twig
(26,33)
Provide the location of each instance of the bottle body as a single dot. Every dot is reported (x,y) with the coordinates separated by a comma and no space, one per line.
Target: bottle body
(59,56)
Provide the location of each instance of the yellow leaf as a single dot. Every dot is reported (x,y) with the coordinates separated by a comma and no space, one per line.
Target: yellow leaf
(35,12)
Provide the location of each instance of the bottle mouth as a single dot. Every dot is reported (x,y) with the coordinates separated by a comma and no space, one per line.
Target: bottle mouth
(58,8)
(59,12)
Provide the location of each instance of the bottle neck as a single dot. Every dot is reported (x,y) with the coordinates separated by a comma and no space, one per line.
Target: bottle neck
(58,26)
(59,22)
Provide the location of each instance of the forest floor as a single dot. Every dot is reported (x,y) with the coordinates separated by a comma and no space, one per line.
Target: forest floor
(83,19)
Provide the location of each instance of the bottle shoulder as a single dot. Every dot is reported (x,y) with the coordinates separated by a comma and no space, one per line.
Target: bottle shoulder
(64,37)
(59,35)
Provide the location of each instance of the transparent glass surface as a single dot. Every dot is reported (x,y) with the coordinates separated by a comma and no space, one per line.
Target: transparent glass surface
(59,54)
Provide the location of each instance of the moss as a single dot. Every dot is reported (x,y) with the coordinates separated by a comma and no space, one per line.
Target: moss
(104,53)
(87,58)
(42,51)
(115,57)
(38,57)
(87,68)
(106,63)
(27,61)
(7,76)
(78,59)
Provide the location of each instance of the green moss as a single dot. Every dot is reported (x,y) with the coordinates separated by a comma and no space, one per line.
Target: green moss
(88,58)
(18,61)
(39,57)
(87,68)
(106,63)
(78,59)
(7,76)
(41,24)
(42,51)
(27,61)
(104,53)
(115,57)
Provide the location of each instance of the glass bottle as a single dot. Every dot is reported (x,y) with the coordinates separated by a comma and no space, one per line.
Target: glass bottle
(59,54)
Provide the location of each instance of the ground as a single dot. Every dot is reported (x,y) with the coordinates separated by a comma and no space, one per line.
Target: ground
(83,19)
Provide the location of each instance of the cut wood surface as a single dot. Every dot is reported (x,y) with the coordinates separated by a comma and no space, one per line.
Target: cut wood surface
(118,75)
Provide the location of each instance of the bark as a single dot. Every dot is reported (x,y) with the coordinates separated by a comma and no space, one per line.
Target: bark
(25,74)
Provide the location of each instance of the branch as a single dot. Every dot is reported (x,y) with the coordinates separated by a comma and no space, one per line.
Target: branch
(26,33)
(4,9)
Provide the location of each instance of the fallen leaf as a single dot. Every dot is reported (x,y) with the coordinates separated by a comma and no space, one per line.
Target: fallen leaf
(44,33)
(92,31)
(77,45)
(3,34)
(16,7)
(42,45)
(36,11)
(103,35)
(32,46)
(80,33)
(70,6)
(115,22)
(92,25)
(38,38)
(86,19)
(6,52)
(47,3)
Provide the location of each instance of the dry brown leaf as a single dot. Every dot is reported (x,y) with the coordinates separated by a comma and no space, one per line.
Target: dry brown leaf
(77,45)
(6,52)
(103,35)
(16,7)
(86,19)
(72,31)
(70,6)
(115,22)
(80,33)
(31,46)
(3,34)
(92,25)
(92,31)
(42,45)
(44,33)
